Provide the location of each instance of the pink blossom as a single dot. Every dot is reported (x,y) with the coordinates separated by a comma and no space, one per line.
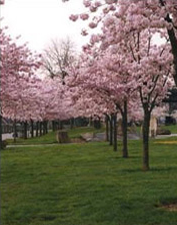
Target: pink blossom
(84,32)
(93,8)
(86,3)
(94,38)
(110,1)
(92,25)
(84,16)
(73,17)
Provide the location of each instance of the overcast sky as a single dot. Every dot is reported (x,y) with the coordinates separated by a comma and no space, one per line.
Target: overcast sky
(39,21)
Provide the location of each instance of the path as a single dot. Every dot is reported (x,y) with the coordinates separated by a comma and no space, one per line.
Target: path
(7,136)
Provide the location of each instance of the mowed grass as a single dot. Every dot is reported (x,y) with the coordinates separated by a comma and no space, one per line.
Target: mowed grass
(50,138)
(172,128)
(76,132)
(87,184)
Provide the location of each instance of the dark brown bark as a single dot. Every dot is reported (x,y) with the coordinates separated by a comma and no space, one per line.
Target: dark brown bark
(107,127)
(37,129)
(32,128)
(146,123)
(173,41)
(25,135)
(54,125)
(15,131)
(115,131)
(40,128)
(124,131)
(1,144)
(111,130)
(60,124)
(46,127)
(71,123)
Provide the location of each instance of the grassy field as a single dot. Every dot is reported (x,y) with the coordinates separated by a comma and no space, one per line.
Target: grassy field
(50,138)
(88,184)
(172,128)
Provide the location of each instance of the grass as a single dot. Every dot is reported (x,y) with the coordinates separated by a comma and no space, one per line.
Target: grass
(172,128)
(87,184)
(50,138)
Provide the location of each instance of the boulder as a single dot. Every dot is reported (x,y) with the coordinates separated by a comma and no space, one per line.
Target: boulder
(161,131)
(99,137)
(62,136)
(87,136)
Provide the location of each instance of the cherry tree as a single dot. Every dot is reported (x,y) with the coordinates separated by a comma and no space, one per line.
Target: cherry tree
(131,27)
(158,13)
(103,81)
(18,67)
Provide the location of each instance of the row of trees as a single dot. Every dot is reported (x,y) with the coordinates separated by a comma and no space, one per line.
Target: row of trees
(121,72)
(123,65)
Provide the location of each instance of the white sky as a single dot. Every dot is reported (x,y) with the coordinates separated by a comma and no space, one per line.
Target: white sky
(39,21)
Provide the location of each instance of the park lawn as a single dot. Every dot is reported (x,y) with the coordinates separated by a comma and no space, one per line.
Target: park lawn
(172,128)
(50,138)
(77,131)
(87,184)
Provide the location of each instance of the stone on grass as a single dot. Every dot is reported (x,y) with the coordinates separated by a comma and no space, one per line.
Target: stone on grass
(87,136)
(161,131)
(62,136)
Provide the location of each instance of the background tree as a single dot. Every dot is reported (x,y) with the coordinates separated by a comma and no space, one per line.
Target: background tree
(57,56)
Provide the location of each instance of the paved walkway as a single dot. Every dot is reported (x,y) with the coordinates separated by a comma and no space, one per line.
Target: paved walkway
(32,145)
(7,136)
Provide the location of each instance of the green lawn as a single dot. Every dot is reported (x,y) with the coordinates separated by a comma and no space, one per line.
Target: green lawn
(172,128)
(88,184)
(50,138)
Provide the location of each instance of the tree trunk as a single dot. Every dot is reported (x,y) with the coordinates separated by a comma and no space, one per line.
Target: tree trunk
(46,127)
(107,127)
(15,130)
(32,129)
(97,123)
(111,130)
(53,125)
(115,131)
(60,124)
(25,130)
(146,124)
(71,123)
(124,131)
(40,128)
(1,145)
(173,42)
(37,129)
